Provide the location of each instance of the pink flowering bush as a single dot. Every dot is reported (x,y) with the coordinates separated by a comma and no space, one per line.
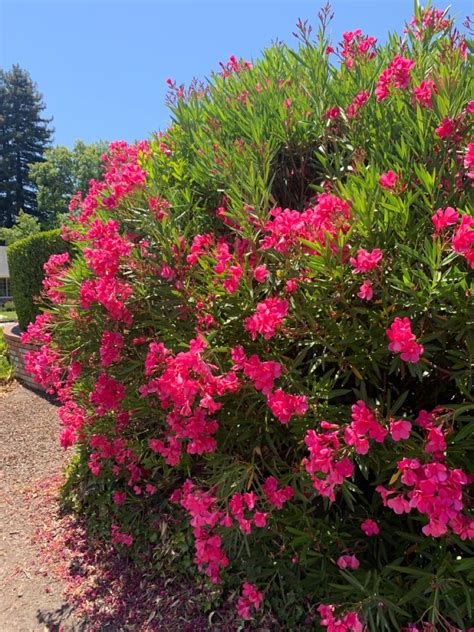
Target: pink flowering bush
(264,338)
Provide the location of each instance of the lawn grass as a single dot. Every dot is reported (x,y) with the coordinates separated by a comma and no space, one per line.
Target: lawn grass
(7,315)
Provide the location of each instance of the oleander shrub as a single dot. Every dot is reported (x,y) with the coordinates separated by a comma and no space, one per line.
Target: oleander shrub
(264,345)
(26,259)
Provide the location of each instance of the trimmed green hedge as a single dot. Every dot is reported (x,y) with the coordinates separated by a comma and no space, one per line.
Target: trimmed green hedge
(26,258)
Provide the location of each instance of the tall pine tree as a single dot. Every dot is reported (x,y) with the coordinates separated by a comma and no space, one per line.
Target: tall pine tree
(24,136)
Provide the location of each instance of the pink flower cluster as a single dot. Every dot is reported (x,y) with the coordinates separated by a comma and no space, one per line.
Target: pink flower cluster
(436,491)
(122,175)
(463,239)
(444,218)
(263,374)
(108,248)
(268,318)
(348,561)
(357,104)
(403,341)
(284,406)
(110,347)
(187,385)
(364,426)
(285,232)
(107,395)
(430,19)
(356,46)
(469,161)
(326,459)
(389,180)
(397,75)
(55,269)
(251,598)
(370,527)
(109,292)
(365,260)
(201,506)
(423,92)
(350,622)
(276,497)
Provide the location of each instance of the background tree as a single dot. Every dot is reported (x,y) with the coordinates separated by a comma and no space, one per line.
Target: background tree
(24,226)
(63,173)
(24,136)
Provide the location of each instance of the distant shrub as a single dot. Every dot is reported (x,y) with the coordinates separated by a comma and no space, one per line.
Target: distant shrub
(26,259)
(6,369)
(8,306)
(267,333)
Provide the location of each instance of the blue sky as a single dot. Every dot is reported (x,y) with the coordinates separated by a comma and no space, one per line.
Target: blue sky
(102,64)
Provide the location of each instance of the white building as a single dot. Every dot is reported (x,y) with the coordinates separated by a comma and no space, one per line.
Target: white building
(4,276)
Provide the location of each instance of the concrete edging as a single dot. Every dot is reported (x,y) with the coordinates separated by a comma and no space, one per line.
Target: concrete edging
(16,350)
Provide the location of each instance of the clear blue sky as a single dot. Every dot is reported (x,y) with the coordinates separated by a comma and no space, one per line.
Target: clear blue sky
(102,64)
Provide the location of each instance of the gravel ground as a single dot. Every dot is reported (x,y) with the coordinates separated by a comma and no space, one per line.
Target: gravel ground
(30,599)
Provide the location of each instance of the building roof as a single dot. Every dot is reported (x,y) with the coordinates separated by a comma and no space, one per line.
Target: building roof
(3,263)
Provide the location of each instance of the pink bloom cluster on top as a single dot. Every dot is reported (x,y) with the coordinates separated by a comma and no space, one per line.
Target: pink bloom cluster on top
(356,46)
(122,174)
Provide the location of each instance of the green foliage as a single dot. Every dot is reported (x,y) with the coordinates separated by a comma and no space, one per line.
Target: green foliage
(25,261)
(24,136)
(63,173)
(25,225)
(6,369)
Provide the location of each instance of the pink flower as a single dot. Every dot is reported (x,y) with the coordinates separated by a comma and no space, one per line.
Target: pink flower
(284,406)
(365,260)
(463,239)
(365,291)
(444,218)
(260,273)
(469,160)
(388,180)
(436,441)
(400,429)
(261,373)
(107,394)
(446,128)
(260,519)
(423,92)
(276,497)
(333,113)
(110,347)
(251,598)
(357,104)
(119,497)
(348,561)
(267,318)
(397,75)
(350,622)
(403,341)
(370,527)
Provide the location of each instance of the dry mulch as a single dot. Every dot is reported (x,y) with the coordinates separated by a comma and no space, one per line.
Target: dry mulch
(29,595)
(53,577)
